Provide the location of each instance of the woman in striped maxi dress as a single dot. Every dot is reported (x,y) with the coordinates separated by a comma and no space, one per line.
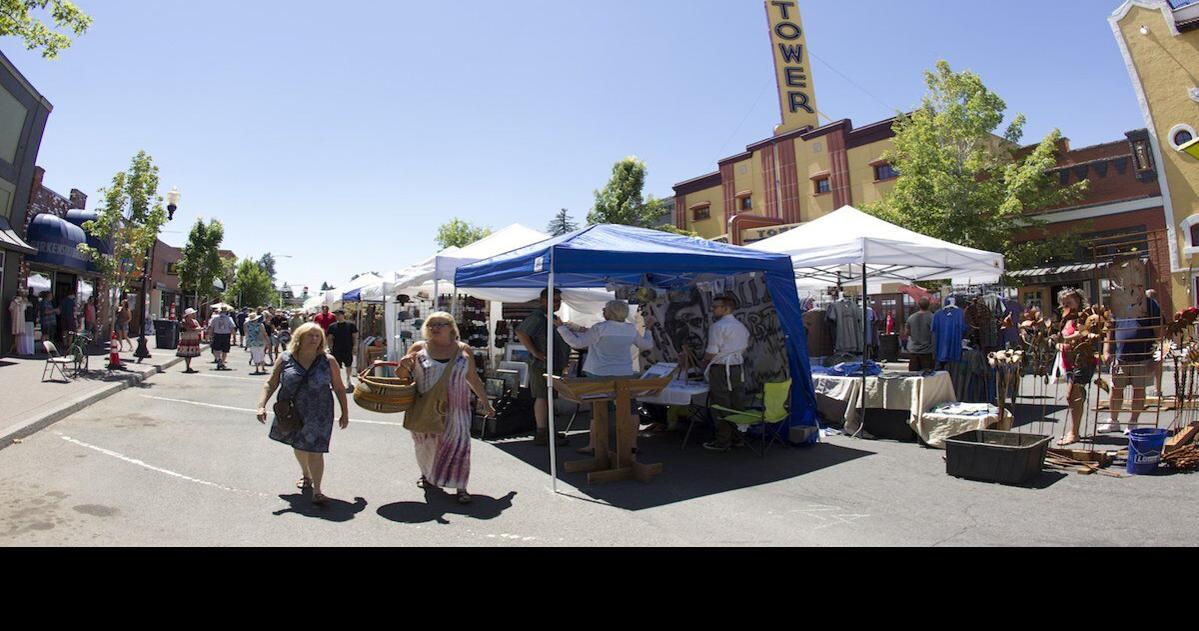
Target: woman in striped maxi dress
(444,458)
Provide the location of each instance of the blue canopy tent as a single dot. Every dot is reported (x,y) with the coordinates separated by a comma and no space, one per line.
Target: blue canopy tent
(599,255)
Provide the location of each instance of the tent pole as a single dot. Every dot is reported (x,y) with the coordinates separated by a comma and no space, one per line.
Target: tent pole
(549,363)
(865,345)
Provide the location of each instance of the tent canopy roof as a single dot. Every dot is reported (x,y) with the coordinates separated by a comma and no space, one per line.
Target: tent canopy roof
(597,255)
(834,248)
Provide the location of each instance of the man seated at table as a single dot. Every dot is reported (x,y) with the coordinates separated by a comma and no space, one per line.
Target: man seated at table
(724,366)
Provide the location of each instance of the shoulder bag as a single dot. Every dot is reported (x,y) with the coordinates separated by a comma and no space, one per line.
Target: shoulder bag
(428,413)
(287,419)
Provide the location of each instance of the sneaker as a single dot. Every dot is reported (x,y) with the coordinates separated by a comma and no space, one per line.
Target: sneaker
(717,447)
(1111,428)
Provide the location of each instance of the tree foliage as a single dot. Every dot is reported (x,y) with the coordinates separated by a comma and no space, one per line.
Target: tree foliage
(458,233)
(129,221)
(251,286)
(200,263)
(960,182)
(561,224)
(267,262)
(19,18)
(622,201)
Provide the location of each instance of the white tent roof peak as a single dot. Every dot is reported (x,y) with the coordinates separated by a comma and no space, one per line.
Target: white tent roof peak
(834,248)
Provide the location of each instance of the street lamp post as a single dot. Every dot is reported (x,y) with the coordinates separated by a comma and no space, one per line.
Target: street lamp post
(143,351)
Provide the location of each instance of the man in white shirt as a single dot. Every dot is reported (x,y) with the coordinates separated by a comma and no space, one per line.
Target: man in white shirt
(724,365)
(221,326)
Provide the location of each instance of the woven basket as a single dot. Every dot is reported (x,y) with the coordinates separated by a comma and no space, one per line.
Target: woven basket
(385,396)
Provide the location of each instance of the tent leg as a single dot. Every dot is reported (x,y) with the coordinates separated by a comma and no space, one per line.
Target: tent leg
(549,363)
(865,354)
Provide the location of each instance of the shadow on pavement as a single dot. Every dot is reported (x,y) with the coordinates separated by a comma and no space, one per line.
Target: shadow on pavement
(438,504)
(338,511)
(687,474)
(1033,416)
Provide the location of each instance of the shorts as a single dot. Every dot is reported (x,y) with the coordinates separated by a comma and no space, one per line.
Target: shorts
(123,328)
(345,360)
(220,342)
(1136,374)
(537,372)
(1081,375)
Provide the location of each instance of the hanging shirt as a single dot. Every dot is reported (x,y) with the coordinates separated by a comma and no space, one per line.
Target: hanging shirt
(848,318)
(949,326)
(609,347)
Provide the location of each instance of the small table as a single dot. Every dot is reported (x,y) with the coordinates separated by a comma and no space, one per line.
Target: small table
(608,466)
(914,394)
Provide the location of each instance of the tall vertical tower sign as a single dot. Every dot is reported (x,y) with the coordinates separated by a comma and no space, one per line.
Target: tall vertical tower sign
(793,67)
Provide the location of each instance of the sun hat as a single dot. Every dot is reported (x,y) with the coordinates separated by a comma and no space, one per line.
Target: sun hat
(189,312)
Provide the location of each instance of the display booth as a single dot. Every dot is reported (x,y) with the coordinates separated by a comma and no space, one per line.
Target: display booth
(611,257)
(850,248)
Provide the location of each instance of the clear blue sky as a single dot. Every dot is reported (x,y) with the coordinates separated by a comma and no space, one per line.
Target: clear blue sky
(343,133)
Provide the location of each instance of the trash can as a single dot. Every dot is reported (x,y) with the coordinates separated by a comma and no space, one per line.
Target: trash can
(166,334)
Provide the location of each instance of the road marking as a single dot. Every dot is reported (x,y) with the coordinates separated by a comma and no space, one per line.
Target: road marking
(250,411)
(237,378)
(134,461)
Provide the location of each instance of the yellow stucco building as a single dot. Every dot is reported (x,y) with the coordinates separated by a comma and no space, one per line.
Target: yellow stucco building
(1160,43)
(803,172)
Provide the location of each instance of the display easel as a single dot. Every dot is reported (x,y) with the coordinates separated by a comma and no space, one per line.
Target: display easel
(606,466)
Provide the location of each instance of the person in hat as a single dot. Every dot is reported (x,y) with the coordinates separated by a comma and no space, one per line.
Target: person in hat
(189,339)
(256,342)
(222,327)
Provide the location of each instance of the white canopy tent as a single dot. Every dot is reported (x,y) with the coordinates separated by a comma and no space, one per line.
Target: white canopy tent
(314,302)
(835,249)
(850,247)
(333,297)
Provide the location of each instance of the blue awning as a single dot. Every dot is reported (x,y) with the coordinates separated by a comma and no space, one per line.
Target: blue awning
(57,241)
(352,296)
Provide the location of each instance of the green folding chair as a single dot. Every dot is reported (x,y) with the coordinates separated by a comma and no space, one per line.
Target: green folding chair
(774,404)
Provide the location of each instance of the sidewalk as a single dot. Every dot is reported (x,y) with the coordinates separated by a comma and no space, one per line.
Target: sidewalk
(27,405)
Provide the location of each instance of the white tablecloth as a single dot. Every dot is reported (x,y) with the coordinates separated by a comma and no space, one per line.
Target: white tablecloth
(913,394)
(935,429)
(679,393)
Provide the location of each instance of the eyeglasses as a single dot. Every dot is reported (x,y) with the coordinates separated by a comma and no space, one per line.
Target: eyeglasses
(438,326)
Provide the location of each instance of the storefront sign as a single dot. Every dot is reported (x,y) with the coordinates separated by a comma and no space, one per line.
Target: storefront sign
(761,234)
(793,67)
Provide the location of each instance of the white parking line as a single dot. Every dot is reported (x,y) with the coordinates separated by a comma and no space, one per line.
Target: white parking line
(250,411)
(261,380)
(134,461)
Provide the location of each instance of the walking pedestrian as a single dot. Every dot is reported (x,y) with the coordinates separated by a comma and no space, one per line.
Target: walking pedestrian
(48,315)
(89,318)
(1078,359)
(279,325)
(344,336)
(325,319)
(189,340)
(221,326)
(444,371)
(309,378)
(242,316)
(256,342)
(124,317)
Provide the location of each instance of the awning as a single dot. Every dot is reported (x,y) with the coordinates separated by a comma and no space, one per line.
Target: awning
(57,242)
(10,241)
(1058,271)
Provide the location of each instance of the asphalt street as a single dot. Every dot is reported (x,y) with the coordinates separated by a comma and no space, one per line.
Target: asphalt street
(183,461)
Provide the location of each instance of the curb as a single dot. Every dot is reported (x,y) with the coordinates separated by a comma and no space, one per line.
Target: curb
(37,424)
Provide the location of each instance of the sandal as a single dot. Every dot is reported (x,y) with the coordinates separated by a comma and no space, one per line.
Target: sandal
(304,484)
(423,483)
(464,497)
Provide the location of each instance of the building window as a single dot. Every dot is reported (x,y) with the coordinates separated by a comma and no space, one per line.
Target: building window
(747,203)
(884,172)
(701,213)
(1181,135)
(823,186)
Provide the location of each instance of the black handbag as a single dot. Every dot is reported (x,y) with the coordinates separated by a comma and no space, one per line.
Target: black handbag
(287,419)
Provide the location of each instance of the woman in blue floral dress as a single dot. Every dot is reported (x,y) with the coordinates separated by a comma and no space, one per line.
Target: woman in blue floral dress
(308,376)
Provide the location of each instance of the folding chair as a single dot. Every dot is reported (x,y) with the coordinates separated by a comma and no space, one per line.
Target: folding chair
(53,360)
(774,411)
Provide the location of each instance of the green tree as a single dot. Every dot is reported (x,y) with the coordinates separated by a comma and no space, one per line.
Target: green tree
(129,222)
(18,18)
(267,262)
(622,201)
(562,224)
(458,233)
(962,183)
(251,286)
(200,263)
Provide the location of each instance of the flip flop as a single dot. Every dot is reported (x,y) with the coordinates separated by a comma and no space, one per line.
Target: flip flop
(304,484)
